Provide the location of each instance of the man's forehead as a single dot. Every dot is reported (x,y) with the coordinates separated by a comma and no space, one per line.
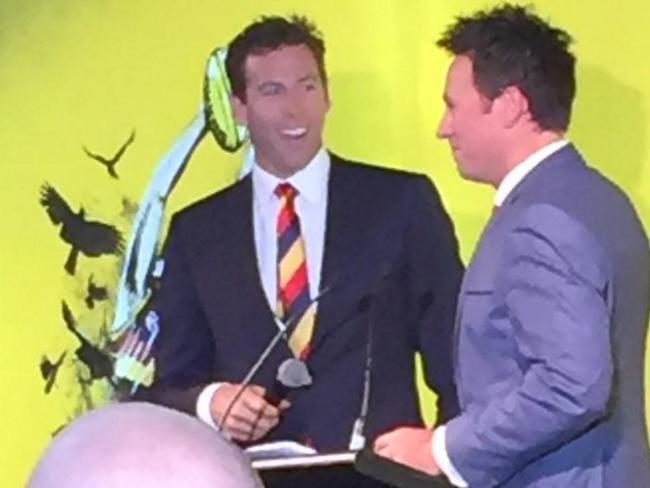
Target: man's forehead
(460,75)
(461,67)
(286,60)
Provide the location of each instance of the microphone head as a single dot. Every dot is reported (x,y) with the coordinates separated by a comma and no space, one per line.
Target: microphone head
(293,373)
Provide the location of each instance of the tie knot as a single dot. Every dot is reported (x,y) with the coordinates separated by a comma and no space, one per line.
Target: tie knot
(286,190)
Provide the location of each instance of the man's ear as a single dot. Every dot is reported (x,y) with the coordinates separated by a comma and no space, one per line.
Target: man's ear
(328,100)
(513,105)
(238,110)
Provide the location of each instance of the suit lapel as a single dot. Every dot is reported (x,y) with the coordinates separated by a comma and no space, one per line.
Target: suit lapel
(228,265)
(558,161)
(341,241)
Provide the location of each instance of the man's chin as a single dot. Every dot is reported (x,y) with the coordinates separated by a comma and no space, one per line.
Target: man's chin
(288,168)
(469,175)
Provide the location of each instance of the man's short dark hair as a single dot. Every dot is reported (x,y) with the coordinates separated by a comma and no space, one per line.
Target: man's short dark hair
(511,46)
(269,34)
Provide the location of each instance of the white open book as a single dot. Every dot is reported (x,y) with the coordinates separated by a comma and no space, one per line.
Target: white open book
(278,449)
(290,454)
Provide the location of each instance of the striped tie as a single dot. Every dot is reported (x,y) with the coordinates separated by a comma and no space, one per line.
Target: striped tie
(293,281)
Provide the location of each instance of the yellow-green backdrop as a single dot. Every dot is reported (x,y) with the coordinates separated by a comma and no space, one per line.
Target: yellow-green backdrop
(76,73)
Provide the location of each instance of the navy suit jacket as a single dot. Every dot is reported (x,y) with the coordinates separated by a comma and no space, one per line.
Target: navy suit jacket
(391,260)
(551,328)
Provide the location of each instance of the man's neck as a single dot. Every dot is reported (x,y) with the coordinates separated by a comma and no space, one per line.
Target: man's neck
(524,148)
(512,179)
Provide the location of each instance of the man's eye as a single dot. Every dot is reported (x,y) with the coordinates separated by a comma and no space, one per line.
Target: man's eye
(270,90)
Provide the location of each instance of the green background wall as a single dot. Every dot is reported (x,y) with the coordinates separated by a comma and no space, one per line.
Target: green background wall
(76,73)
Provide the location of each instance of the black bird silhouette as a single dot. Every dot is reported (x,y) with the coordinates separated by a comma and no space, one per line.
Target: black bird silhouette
(111,162)
(49,370)
(90,237)
(98,362)
(95,293)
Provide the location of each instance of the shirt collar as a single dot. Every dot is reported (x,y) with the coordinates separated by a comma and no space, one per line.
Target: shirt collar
(519,172)
(310,181)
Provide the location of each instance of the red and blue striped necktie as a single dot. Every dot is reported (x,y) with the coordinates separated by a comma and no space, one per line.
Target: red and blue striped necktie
(293,280)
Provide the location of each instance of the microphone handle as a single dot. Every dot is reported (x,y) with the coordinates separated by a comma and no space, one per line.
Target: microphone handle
(276,393)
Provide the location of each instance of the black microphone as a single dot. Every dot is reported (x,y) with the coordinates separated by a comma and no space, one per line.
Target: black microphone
(357,438)
(292,373)
(282,330)
(363,305)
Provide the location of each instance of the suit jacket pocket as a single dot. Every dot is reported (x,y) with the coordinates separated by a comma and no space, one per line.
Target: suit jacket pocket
(478,292)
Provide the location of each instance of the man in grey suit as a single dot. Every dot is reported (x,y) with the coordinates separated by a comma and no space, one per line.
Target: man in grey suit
(553,310)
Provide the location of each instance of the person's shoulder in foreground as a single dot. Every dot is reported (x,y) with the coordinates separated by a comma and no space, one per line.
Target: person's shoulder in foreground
(141,445)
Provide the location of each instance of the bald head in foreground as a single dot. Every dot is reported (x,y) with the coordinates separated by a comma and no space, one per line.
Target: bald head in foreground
(143,445)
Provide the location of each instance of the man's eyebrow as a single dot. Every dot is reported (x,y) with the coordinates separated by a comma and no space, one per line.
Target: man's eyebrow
(309,77)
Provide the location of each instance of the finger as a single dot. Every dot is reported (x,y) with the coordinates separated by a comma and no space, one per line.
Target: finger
(265,422)
(243,422)
(247,421)
(258,429)
(238,435)
(253,400)
(258,406)
(261,429)
(259,392)
(385,452)
(382,450)
(268,413)
(247,428)
(238,430)
(383,441)
(256,390)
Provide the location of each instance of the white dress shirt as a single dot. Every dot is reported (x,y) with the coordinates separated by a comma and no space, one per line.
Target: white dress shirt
(311,207)
(509,182)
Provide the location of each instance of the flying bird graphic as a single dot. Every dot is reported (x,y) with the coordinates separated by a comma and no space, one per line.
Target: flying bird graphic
(89,237)
(94,293)
(110,163)
(98,362)
(49,370)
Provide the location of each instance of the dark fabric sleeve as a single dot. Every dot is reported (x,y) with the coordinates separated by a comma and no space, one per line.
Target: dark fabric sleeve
(436,273)
(184,350)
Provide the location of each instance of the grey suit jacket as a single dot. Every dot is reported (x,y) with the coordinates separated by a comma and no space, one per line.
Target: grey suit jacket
(550,336)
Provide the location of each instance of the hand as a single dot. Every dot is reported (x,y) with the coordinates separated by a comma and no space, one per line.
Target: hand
(410,446)
(251,417)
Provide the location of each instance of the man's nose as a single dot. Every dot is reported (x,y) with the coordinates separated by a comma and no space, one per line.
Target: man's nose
(444,127)
(294,104)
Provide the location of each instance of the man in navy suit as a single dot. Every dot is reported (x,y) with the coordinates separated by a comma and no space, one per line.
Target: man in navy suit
(553,310)
(377,245)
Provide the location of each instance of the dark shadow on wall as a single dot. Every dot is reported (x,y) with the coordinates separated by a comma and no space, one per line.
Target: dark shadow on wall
(609,127)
